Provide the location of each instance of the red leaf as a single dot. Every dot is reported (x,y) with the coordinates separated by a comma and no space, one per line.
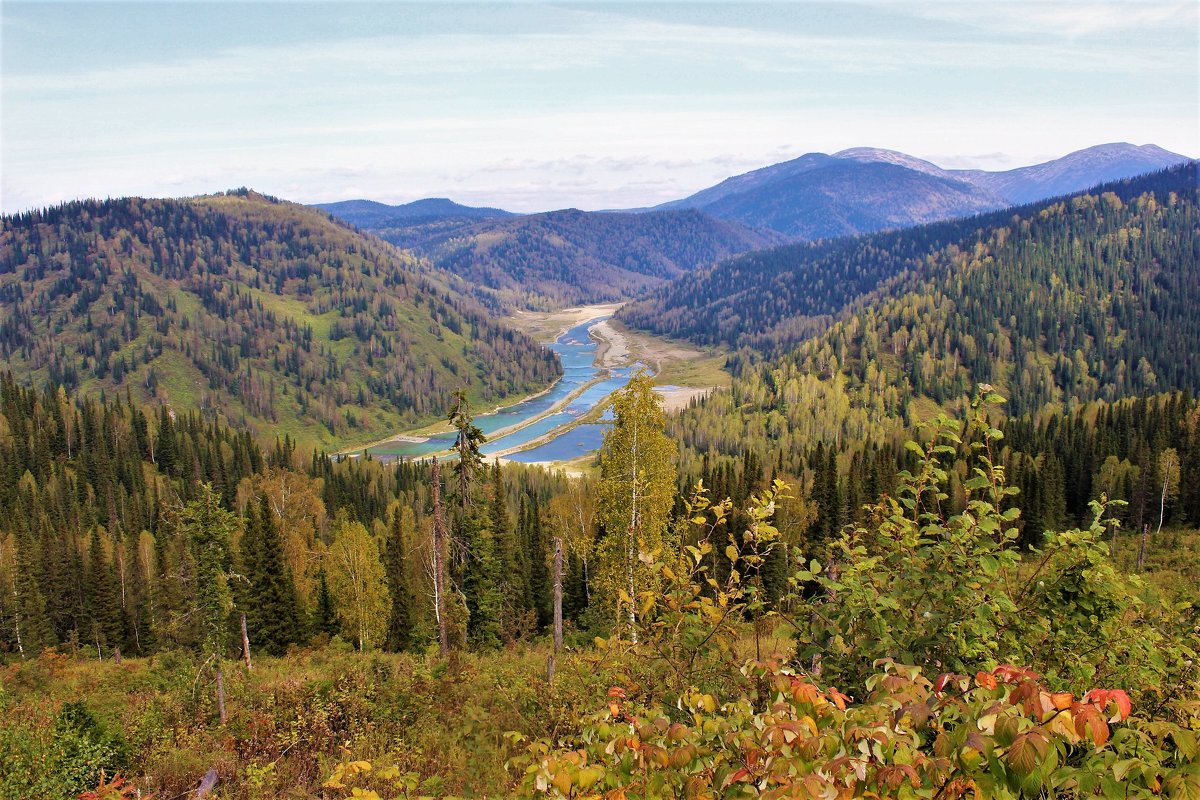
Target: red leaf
(1101,698)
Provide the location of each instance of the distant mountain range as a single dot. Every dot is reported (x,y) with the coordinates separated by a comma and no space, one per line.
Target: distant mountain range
(561,257)
(771,300)
(863,189)
(574,256)
(368,214)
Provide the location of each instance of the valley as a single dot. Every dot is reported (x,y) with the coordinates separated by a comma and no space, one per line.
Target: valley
(563,426)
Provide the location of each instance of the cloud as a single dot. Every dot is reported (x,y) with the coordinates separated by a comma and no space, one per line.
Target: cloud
(1070,19)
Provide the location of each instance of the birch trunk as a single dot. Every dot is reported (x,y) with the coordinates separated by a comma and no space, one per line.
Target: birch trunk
(246,645)
(439,566)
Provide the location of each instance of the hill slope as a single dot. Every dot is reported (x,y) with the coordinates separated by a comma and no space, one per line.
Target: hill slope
(773,299)
(569,257)
(265,313)
(1091,297)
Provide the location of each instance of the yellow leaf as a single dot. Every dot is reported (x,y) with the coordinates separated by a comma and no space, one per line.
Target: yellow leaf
(562,782)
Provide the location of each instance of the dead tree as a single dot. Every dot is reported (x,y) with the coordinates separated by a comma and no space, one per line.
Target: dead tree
(439,562)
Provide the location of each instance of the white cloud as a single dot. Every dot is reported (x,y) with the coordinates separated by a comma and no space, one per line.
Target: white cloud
(1072,19)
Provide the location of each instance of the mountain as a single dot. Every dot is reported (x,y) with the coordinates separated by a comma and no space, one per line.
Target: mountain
(268,314)
(1073,172)
(1088,298)
(867,189)
(369,214)
(571,256)
(772,299)
(818,196)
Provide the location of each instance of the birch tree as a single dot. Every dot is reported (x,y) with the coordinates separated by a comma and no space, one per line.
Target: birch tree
(637,466)
(358,584)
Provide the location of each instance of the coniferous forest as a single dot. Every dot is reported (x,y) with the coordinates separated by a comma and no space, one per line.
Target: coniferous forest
(580,409)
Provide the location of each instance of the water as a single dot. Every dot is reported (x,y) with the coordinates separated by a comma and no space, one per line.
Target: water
(577,352)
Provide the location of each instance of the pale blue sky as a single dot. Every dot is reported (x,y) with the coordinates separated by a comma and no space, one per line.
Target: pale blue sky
(539,106)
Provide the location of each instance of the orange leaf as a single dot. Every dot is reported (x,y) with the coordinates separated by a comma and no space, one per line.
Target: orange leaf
(985,680)
(1062,700)
(1027,751)
(838,698)
(1088,722)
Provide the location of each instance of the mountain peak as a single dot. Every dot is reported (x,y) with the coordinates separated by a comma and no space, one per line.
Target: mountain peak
(884,156)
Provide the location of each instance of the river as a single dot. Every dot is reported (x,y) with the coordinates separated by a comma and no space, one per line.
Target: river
(576,350)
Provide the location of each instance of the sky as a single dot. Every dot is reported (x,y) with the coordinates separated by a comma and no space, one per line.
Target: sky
(531,107)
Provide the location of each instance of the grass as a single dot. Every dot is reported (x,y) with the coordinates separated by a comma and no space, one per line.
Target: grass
(290,717)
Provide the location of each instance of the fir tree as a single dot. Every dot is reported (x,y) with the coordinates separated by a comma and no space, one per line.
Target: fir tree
(105,627)
(396,567)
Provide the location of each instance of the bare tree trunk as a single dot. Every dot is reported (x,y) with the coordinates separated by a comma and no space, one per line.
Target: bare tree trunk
(17,621)
(206,785)
(1142,546)
(246,645)
(117,655)
(439,565)
(1162,508)
(558,591)
(221,695)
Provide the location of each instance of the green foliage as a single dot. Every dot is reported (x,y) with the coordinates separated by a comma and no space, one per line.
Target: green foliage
(267,314)
(60,761)
(949,592)
(358,584)
(636,487)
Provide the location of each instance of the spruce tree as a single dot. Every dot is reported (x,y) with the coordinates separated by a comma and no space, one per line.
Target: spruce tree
(272,614)
(396,567)
(324,612)
(105,629)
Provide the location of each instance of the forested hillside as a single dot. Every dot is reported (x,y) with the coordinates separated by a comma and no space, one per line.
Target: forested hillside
(1067,310)
(262,313)
(774,299)
(568,257)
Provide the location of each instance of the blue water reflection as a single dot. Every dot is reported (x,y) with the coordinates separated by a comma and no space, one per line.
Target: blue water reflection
(577,352)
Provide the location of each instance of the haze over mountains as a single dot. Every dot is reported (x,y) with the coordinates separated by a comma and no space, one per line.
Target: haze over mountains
(576,256)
